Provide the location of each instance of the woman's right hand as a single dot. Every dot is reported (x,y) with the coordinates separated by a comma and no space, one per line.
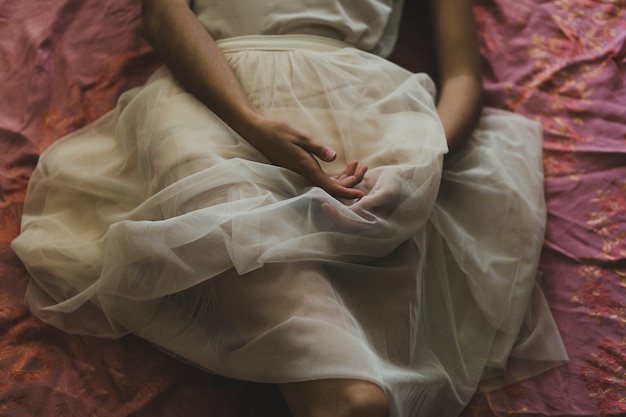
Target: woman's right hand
(289,146)
(194,58)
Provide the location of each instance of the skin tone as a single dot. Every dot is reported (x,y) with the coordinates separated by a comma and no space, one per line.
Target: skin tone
(458,63)
(193,57)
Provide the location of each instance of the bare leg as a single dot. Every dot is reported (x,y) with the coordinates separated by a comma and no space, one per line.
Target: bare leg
(255,303)
(335,398)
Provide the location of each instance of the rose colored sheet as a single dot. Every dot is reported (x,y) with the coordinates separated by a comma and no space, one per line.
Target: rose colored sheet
(63,63)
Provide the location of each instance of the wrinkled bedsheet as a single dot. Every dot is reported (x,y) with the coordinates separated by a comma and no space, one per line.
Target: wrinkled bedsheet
(63,63)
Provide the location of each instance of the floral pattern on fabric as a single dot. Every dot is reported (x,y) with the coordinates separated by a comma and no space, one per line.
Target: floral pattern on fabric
(596,294)
(605,376)
(562,62)
(609,220)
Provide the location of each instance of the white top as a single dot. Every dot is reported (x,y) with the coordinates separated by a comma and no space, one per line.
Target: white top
(370,25)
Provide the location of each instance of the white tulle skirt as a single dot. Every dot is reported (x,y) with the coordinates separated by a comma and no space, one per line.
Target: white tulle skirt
(159,220)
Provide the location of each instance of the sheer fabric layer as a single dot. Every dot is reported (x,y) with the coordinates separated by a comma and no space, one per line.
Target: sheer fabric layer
(159,220)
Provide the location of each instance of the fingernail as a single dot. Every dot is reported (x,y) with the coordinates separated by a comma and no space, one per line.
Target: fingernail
(330,154)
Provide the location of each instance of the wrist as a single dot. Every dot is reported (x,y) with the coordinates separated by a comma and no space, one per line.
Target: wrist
(249,126)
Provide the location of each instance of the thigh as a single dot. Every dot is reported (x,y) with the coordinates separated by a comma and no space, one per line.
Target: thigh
(255,303)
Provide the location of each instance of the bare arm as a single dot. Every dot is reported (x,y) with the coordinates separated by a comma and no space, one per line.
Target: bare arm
(192,55)
(460,97)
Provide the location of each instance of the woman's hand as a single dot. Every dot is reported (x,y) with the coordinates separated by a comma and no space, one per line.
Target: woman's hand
(287,145)
(193,57)
(383,197)
(351,176)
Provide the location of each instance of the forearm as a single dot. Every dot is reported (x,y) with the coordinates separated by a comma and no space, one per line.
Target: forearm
(196,61)
(459,106)
(459,71)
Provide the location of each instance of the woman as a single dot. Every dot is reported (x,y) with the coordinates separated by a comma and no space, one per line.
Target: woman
(267,210)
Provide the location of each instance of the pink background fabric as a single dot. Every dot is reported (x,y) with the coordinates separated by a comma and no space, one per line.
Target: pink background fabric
(63,63)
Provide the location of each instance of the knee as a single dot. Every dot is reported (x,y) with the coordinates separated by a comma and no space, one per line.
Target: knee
(366,401)
(336,398)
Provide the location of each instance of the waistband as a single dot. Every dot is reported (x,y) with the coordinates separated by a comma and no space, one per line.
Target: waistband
(280,43)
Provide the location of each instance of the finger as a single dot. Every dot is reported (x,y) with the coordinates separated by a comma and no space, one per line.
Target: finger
(360,172)
(349,170)
(340,191)
(323,152)
(354,179)
(337,188)
(349,182)
(354,172)
(311,169)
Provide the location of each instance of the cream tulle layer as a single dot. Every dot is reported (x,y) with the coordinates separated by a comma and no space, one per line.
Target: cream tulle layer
(158,220)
